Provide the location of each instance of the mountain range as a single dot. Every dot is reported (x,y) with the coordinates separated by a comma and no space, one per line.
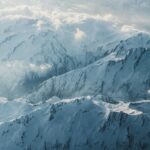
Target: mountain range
(77,86)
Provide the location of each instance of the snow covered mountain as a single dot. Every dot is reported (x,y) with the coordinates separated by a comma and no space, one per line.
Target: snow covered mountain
(72,82)
(82,123)
(40,51)
(122,74)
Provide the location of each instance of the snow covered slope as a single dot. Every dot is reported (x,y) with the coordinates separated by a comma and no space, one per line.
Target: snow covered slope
(123,74)
(81,123)
(72,81)
(33,48)
(36,49)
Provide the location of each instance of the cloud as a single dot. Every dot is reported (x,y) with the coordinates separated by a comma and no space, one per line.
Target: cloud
(135,13)
(79,34)
(14,71)
(127,28)
(69,25)
(127,12)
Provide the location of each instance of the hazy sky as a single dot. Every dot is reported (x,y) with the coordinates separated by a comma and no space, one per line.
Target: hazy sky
(129,12)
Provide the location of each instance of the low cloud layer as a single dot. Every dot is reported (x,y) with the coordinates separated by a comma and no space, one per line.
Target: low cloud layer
(133,13)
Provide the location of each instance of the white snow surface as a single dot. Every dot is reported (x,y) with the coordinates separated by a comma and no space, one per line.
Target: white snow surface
(72,81)
(78,123)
